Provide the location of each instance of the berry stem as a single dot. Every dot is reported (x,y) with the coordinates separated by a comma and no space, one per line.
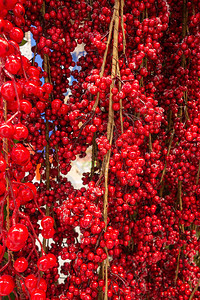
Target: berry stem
(5,152)
(195,289)
(168,152)
(5,149)
(110,128)
(94,154)
(122,25)
(47,162)
(105,56)
(120,101)
(197,180)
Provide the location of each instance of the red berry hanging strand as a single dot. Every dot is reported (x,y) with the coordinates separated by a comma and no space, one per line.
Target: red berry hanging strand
(47,157)
(131,77)
(20,87)
(98,94)
(110,128)
(5,153)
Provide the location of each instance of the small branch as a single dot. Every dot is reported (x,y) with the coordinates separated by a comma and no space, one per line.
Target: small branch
(181,226)
(47,80)
(94,153)
(120,101)
(185,16)
(5,150)
(106,280)
(195,289)
(122,25)
(150,143)
(110,127)
(111,112)
(180,200)
(168,151)
(183,62)
(197,179)
(177,267)
(105,56)
(35,51)
(57,162)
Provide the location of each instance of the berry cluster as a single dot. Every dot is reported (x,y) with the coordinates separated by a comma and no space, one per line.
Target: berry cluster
(131,231)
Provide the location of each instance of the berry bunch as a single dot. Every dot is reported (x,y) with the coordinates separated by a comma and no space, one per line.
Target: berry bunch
(131,231)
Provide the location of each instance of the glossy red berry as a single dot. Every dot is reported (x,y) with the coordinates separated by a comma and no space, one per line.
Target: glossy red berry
(25,106)
(17,236)
(48,233)
(7,130)
(43,263)
(4,47)
(8,91)
(16,34)
(20,155)
(52,259)
(6,285)
(13,65)
(38,294)
(42,285)
(31,282)
(20,132)
(21,264)
(47,222)
(2,165)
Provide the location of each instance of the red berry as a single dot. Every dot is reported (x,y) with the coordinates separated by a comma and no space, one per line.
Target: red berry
(31,282)
(52,259)
(20,132)
(20,155)
(38,294)
(16,34)
(25,106)
(6,285)
(8,91)
(47,222)
(4,48)
(42,285)
(17,236)
(21,264)
(12,65)
(48,233)
(43,263)
(7,130)
(2,165)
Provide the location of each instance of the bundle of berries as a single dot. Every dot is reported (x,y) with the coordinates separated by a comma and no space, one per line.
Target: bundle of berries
(132,230)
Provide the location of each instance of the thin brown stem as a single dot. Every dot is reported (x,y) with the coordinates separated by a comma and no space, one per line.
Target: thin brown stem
(150,142)
(57,159)
(94,154)
(110,128)
(5,150)
(101,74)
(179,196)
(198,172)
(168,151)
(34,56)
(194,290)
(122,25)
(110,125)
(47,80)
(105,56)
(185,16)
(120,101)
(177,266)
(183,62)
